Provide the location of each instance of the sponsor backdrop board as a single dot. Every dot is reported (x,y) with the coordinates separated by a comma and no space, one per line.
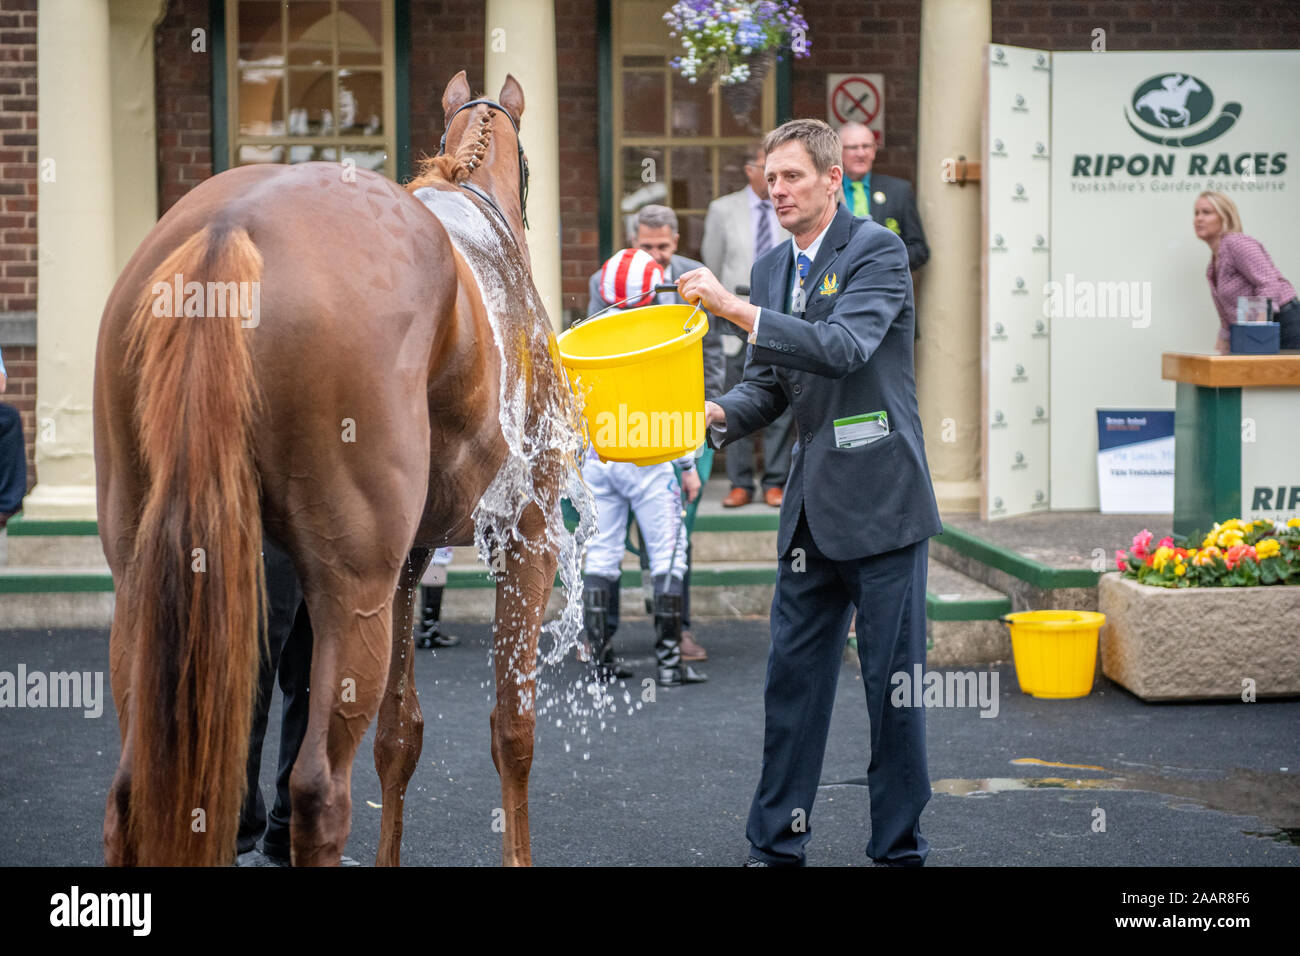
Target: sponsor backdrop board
(1135,137)
(1270,453)
(1015,349)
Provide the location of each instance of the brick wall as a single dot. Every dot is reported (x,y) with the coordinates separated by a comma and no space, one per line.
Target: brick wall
(183,97)
(866,36)
(576,46)
(1153,25)
(18,172)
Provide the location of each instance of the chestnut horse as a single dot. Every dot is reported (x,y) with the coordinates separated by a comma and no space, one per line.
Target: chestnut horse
(362,406)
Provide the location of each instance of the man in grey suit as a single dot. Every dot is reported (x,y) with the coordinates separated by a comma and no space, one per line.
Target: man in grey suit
(830,328)
(656,234)
(738,228)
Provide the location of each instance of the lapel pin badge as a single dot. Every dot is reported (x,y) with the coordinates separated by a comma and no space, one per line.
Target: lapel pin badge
(830,285)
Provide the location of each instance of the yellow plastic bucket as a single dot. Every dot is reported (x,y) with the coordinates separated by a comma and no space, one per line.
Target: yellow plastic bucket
(1055,651)
(641,375)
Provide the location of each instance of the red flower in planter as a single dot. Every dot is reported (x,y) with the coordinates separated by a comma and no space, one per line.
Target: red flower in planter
(1234,555)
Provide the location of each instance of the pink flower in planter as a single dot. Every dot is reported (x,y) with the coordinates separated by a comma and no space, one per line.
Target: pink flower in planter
(1121,561)
(1166,542)
(1141,545)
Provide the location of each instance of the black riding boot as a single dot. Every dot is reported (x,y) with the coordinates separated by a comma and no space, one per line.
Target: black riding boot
(600,621)
(429,633)
(668,635)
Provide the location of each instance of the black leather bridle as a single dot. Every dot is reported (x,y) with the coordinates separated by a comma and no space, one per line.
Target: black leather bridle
(523,163)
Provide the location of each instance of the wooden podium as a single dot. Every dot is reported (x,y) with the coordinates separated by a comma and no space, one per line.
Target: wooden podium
(1236,437)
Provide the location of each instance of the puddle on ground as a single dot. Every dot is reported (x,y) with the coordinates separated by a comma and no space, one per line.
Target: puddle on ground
(1272,797)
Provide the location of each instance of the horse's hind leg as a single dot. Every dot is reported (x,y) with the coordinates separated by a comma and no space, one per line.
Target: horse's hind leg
(522,591)
(400,733)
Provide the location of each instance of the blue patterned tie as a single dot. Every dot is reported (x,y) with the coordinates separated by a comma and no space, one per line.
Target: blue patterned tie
(763,234)
(804,266)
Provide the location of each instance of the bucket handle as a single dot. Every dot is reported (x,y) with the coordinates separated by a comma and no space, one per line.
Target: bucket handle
(662,287)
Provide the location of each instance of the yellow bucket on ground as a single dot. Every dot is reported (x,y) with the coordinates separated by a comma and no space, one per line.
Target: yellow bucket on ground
(641,375)
(1055,651)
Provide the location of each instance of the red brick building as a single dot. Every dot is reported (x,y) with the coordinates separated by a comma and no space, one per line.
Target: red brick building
(396,57)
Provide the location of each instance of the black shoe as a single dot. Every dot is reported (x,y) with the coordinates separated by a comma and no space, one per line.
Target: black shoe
(683,674)
(435,638)
(755,861)
(668,638)
(428,633)
(256,857)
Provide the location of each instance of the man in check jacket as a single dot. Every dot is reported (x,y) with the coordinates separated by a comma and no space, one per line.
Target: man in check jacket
(830,325)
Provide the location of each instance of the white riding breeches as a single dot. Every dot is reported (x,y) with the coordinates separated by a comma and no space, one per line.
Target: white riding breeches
(654,495)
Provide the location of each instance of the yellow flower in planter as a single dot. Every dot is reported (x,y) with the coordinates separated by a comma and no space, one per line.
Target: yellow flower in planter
(1230,537)
(1161,558)
(1205,557)
(1210,540)
(1232,524)
(1180,569)
(1267,547)
(1293,523)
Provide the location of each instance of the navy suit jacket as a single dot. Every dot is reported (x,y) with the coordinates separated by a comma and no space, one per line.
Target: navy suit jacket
(848,354)
(900,206)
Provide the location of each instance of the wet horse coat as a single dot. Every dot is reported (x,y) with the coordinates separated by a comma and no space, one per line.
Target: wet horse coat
(359,421)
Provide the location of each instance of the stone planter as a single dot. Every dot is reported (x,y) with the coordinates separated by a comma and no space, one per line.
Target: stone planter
(1200,643)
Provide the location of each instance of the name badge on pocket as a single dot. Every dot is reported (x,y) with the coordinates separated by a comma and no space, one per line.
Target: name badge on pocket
(861,429)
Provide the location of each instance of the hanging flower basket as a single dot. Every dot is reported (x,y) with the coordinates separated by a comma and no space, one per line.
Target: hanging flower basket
(741,97)
(735,42)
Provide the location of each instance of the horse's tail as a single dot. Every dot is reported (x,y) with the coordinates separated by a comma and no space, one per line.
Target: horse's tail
(195,584)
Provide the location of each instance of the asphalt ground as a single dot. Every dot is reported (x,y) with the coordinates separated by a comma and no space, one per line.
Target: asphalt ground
(1215,784)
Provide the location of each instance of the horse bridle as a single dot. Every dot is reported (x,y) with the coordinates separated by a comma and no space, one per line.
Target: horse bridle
(523,163)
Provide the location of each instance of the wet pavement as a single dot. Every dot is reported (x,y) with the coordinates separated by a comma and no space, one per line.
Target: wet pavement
(1215,784)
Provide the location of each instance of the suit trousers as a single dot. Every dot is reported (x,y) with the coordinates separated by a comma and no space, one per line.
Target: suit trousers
(777,439)
(13,460)
(810,620)
(289,640)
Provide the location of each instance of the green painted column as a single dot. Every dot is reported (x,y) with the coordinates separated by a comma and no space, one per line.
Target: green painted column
(1207,457)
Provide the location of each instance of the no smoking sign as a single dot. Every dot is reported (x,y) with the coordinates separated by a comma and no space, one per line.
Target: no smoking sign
(857,98)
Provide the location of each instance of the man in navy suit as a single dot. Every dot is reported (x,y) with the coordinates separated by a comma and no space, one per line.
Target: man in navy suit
(830,325)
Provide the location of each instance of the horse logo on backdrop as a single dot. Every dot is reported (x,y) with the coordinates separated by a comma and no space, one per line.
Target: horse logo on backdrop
(1174,101)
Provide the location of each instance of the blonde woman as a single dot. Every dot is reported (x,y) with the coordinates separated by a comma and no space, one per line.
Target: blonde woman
(1239,265)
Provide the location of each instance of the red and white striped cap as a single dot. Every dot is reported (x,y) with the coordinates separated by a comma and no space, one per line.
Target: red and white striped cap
(631,274)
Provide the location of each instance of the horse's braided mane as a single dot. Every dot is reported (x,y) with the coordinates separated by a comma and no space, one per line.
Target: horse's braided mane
(455,168)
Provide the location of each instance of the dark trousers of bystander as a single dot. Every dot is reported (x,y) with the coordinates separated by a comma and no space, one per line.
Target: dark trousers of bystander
(290,643)
(13,461)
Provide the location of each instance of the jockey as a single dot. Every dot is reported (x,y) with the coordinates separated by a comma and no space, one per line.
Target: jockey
(653,495)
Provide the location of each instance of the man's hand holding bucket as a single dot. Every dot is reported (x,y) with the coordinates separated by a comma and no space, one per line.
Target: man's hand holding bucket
(702,286)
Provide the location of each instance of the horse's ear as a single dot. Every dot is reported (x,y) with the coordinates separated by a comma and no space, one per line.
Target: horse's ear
(512,96)
(456,95)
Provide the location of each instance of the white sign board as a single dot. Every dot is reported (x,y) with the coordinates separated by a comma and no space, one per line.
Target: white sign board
(1270,454)
(857,98)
